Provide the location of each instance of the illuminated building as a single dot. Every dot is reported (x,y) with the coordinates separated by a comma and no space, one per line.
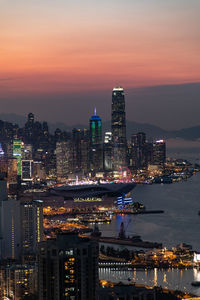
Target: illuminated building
(27,170)
(68,268)
(76,150)
(27,152)
(10,219)
(96,153)
(12,170)
(38,154)
(107,152)
(29,129)
(49,163)
(18,281)
(138,151)
(17,153)
(85,146)
(108,137)
(118,125)
(3,197)
(32,231)
(3,166)
(9,149)
(149,152)
(159,153)
(1,151)
(12,177)
(63,159)
(38,171)
(92,195)
(43,140)
(124,201)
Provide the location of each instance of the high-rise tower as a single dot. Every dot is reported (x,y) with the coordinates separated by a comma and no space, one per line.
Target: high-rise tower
(159,152)
(17,153)
(139,150)
(118,124)
(96,154)
(68,268)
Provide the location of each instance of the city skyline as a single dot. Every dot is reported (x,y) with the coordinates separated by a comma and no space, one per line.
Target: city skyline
(99,149)
(75,53)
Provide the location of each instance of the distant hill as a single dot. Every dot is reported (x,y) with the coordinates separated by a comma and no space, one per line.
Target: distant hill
(152,131)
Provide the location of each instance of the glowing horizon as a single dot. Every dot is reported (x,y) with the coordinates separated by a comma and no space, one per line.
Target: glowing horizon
(56,47)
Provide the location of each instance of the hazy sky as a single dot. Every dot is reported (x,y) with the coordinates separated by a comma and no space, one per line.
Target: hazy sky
(68,55)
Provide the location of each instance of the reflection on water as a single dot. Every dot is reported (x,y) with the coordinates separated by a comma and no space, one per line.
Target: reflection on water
(172,278)
(155,279)
(179,223)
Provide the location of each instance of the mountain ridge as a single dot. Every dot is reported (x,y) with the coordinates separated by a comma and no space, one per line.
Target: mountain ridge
(152,131)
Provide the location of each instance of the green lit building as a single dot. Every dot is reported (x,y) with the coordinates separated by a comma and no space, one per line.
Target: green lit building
(96,149)
(17,153)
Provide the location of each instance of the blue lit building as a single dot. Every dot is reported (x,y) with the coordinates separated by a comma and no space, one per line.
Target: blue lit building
(96,149)
(123,201)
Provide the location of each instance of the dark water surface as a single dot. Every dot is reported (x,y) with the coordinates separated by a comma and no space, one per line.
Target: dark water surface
(173,279)
(179,223)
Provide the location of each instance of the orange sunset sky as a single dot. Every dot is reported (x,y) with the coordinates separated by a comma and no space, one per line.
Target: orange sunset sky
(58,47)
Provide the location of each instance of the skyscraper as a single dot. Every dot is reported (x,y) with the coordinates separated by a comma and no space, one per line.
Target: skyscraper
(18,280)
(85,146)
(68,268)
(138,151)
(32,232)
(76,149)
(118,124)
(27,170)
(159,152)
(107,152)
(3,197)
(96,153)
(17,153)
(63,159)
(10,229)
(29,128)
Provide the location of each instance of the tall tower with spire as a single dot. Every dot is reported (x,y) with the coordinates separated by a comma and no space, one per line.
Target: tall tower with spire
(96,153)
(118,124)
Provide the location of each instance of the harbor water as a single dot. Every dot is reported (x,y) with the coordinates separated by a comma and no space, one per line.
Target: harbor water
(179,224)
(173,279)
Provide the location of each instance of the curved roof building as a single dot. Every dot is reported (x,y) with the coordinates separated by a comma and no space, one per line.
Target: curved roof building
(92,191)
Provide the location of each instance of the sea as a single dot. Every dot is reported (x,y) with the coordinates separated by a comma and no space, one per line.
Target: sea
(180,223)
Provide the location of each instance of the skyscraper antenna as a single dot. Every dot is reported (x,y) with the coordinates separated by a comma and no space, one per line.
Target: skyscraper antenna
(95,111)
